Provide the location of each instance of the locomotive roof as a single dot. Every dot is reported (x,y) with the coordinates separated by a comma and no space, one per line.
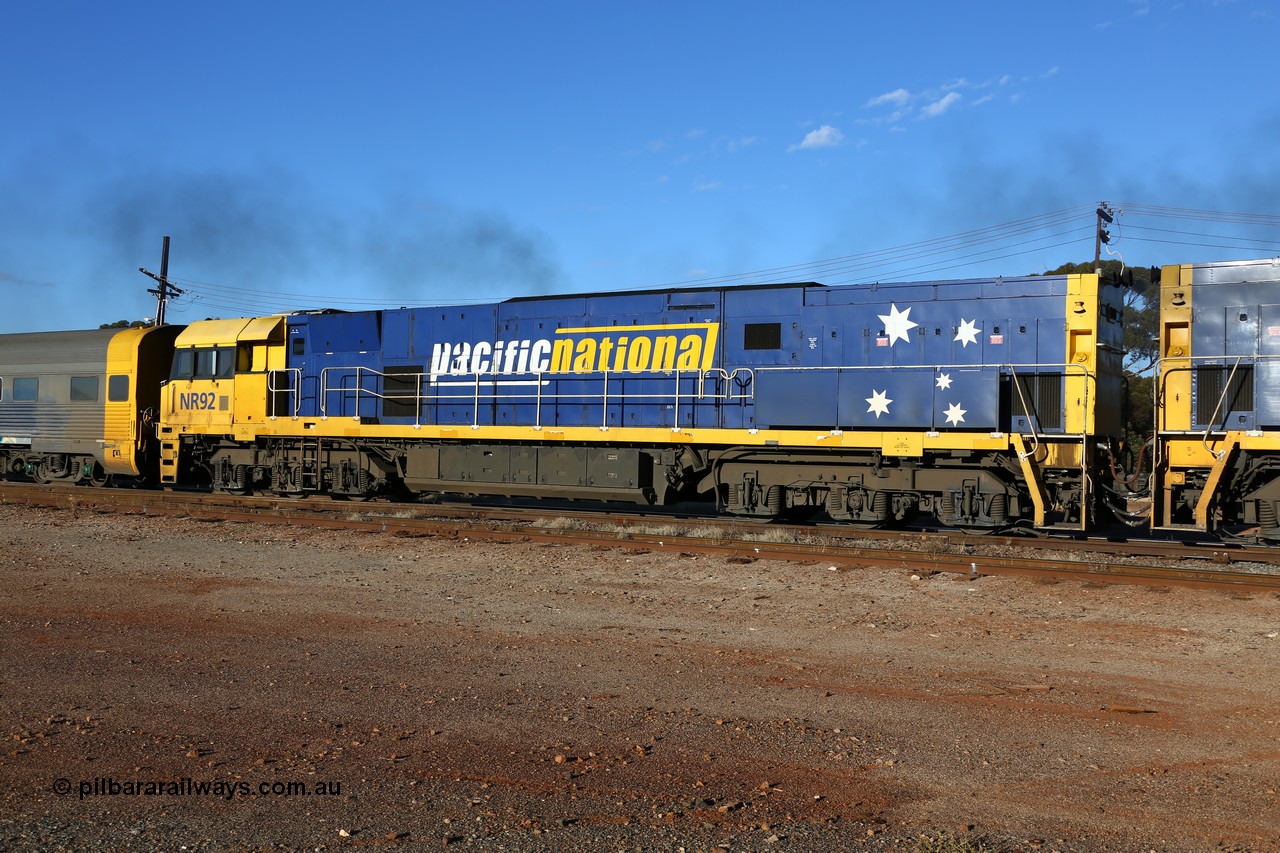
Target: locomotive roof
(661,290)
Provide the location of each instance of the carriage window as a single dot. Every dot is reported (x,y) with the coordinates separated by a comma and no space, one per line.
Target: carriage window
(26,390)
(84,389)
(762,336)
(118,388)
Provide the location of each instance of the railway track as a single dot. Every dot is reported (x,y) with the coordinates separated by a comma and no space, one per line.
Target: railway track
(1142,561)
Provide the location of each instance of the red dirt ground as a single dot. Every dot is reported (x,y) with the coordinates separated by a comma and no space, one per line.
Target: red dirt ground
(177,677)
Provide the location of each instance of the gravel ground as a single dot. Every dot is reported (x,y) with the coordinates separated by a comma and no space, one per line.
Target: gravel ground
(186,685)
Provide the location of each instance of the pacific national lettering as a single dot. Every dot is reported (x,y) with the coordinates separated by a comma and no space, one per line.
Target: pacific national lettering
(653,349)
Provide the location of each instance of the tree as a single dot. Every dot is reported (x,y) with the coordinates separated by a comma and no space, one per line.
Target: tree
(123,324)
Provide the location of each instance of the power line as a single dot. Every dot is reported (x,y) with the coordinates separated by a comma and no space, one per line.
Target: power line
(1197,234)
(1269,219)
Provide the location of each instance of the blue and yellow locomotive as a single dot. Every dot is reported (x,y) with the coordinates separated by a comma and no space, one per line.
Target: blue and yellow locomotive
(980,402)
(1217,440)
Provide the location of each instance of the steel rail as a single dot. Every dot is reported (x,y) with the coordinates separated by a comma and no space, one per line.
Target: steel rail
(735,538)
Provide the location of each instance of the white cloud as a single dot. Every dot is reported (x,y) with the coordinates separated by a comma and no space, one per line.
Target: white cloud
(824,137)
(941,105)
(707,186)
(950,97)
(898,97)
(738,144)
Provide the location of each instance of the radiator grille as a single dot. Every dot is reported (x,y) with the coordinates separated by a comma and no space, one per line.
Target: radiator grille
(758,336)
(1043,394)
(1210,384)
(400,391)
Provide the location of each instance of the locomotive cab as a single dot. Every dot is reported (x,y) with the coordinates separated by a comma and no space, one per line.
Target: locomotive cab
(218,385)
(219,374)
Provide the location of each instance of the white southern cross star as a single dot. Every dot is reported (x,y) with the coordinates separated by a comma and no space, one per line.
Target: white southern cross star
(967,333)
(879,402)
(897,323)
(955,414)
(944,381)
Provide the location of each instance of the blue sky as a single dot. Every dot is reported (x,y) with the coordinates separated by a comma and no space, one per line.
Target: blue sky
(387,153)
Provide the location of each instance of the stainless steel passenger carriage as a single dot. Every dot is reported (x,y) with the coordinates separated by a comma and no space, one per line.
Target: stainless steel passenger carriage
(80,406)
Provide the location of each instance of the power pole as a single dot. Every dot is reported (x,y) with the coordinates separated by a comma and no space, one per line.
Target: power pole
(165,290)
(1104,215)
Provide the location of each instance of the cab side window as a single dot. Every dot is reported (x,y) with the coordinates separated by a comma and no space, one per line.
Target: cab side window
(204,363)
(184,364)
(224,366)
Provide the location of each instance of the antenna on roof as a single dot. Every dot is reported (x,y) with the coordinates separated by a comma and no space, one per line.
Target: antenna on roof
(165,290)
